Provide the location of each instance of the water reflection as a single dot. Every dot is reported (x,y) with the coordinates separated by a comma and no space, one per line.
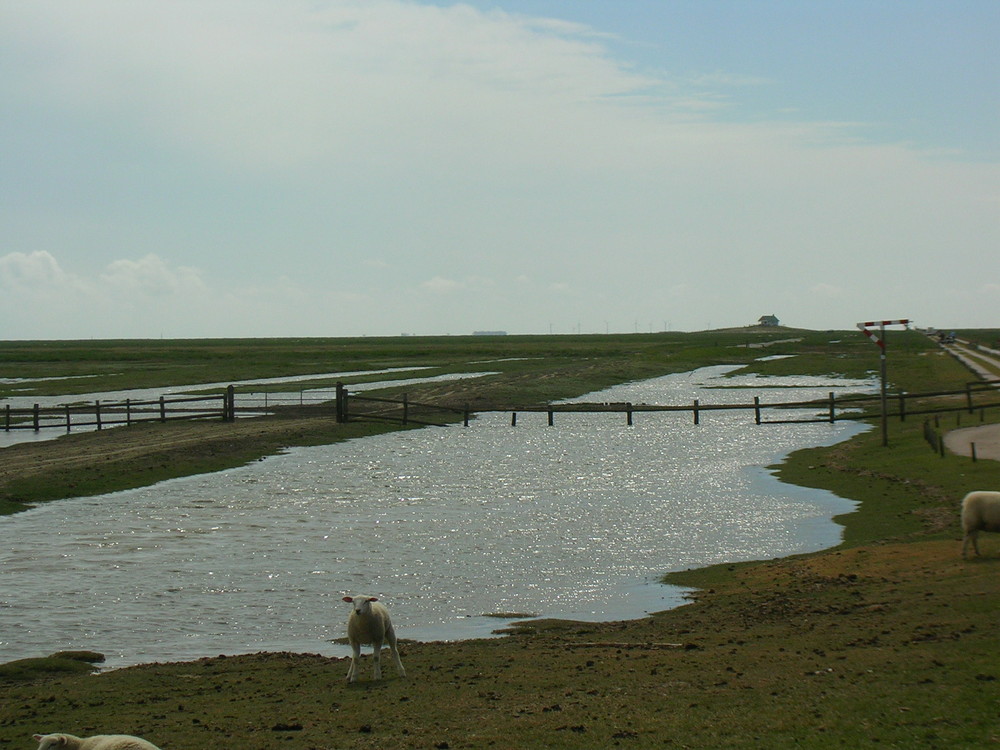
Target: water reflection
(576,520)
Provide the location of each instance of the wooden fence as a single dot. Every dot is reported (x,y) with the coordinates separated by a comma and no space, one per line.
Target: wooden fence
(101,414)
(830,409)
(976,396)
(344,406)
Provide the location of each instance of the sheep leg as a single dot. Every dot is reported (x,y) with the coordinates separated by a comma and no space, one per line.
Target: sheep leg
(391,638)
(973,538)
(352,671)
(377,660)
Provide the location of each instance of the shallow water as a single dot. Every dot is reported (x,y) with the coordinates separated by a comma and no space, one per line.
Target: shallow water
(446,524)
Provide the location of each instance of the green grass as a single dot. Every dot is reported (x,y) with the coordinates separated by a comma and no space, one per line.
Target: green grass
(113,365)
(61,663)
(988,337)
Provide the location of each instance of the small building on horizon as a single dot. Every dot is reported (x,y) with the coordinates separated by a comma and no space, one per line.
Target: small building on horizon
(767,321)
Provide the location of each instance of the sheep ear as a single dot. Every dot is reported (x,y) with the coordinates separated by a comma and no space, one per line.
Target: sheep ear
(348,598)
(373,598)
(37,737)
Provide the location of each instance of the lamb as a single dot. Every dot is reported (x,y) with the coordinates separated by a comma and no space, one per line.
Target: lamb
(980,512)
(369,623)
(97,742)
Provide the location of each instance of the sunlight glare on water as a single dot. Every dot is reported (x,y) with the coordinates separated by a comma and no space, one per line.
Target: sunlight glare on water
(446,524)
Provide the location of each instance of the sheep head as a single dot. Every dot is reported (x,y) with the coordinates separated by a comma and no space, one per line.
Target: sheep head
(47,741)
(362,604)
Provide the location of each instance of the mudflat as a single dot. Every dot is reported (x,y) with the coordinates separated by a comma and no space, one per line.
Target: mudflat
(123,457)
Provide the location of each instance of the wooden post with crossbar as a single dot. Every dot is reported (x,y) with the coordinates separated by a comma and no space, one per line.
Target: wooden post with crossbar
(879,339)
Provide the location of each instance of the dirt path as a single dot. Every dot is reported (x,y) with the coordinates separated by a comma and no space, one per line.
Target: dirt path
(985,363)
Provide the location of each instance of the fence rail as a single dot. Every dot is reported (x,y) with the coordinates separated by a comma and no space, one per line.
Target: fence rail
(830,409)
(101,414)
(344,406)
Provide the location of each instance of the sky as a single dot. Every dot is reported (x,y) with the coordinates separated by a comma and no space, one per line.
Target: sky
(259,168)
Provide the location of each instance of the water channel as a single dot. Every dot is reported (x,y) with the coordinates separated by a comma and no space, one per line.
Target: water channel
(449,524)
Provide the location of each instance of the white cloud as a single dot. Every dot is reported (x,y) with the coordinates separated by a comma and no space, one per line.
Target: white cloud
(352,148)
(281,84)
(440,285)
(27,271)
(123,295)
(151,276)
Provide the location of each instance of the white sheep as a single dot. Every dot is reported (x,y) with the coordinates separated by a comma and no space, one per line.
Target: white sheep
(369,623)
(980,512)
(97,742)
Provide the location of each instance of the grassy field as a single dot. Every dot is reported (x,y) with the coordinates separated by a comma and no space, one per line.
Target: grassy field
(581,362)
(888,639)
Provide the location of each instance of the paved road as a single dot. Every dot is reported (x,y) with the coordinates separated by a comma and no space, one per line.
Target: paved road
(982,361)
(986,364)
(986,438)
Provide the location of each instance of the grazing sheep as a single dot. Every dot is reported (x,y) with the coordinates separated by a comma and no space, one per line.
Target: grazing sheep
(97,742)
(980,512)
(369,623)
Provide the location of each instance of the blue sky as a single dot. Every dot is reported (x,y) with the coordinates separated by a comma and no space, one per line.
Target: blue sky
(375,167)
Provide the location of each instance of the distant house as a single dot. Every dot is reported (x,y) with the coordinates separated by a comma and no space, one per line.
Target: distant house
(768,321)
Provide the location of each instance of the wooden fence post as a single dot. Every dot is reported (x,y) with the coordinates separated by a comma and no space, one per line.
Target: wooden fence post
(341,403)
(513,419)
(466,420)
(128,412)
(34,412)
(67,417)
(756,409)
(551,417)
(7,420)
(97,414)
(229,405)
(163,410)
(832,417)
(628,406)
(697,414)
(902,407)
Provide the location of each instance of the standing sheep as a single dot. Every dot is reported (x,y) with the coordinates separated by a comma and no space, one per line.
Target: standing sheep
(97,742)
(980,512)
(369,623)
